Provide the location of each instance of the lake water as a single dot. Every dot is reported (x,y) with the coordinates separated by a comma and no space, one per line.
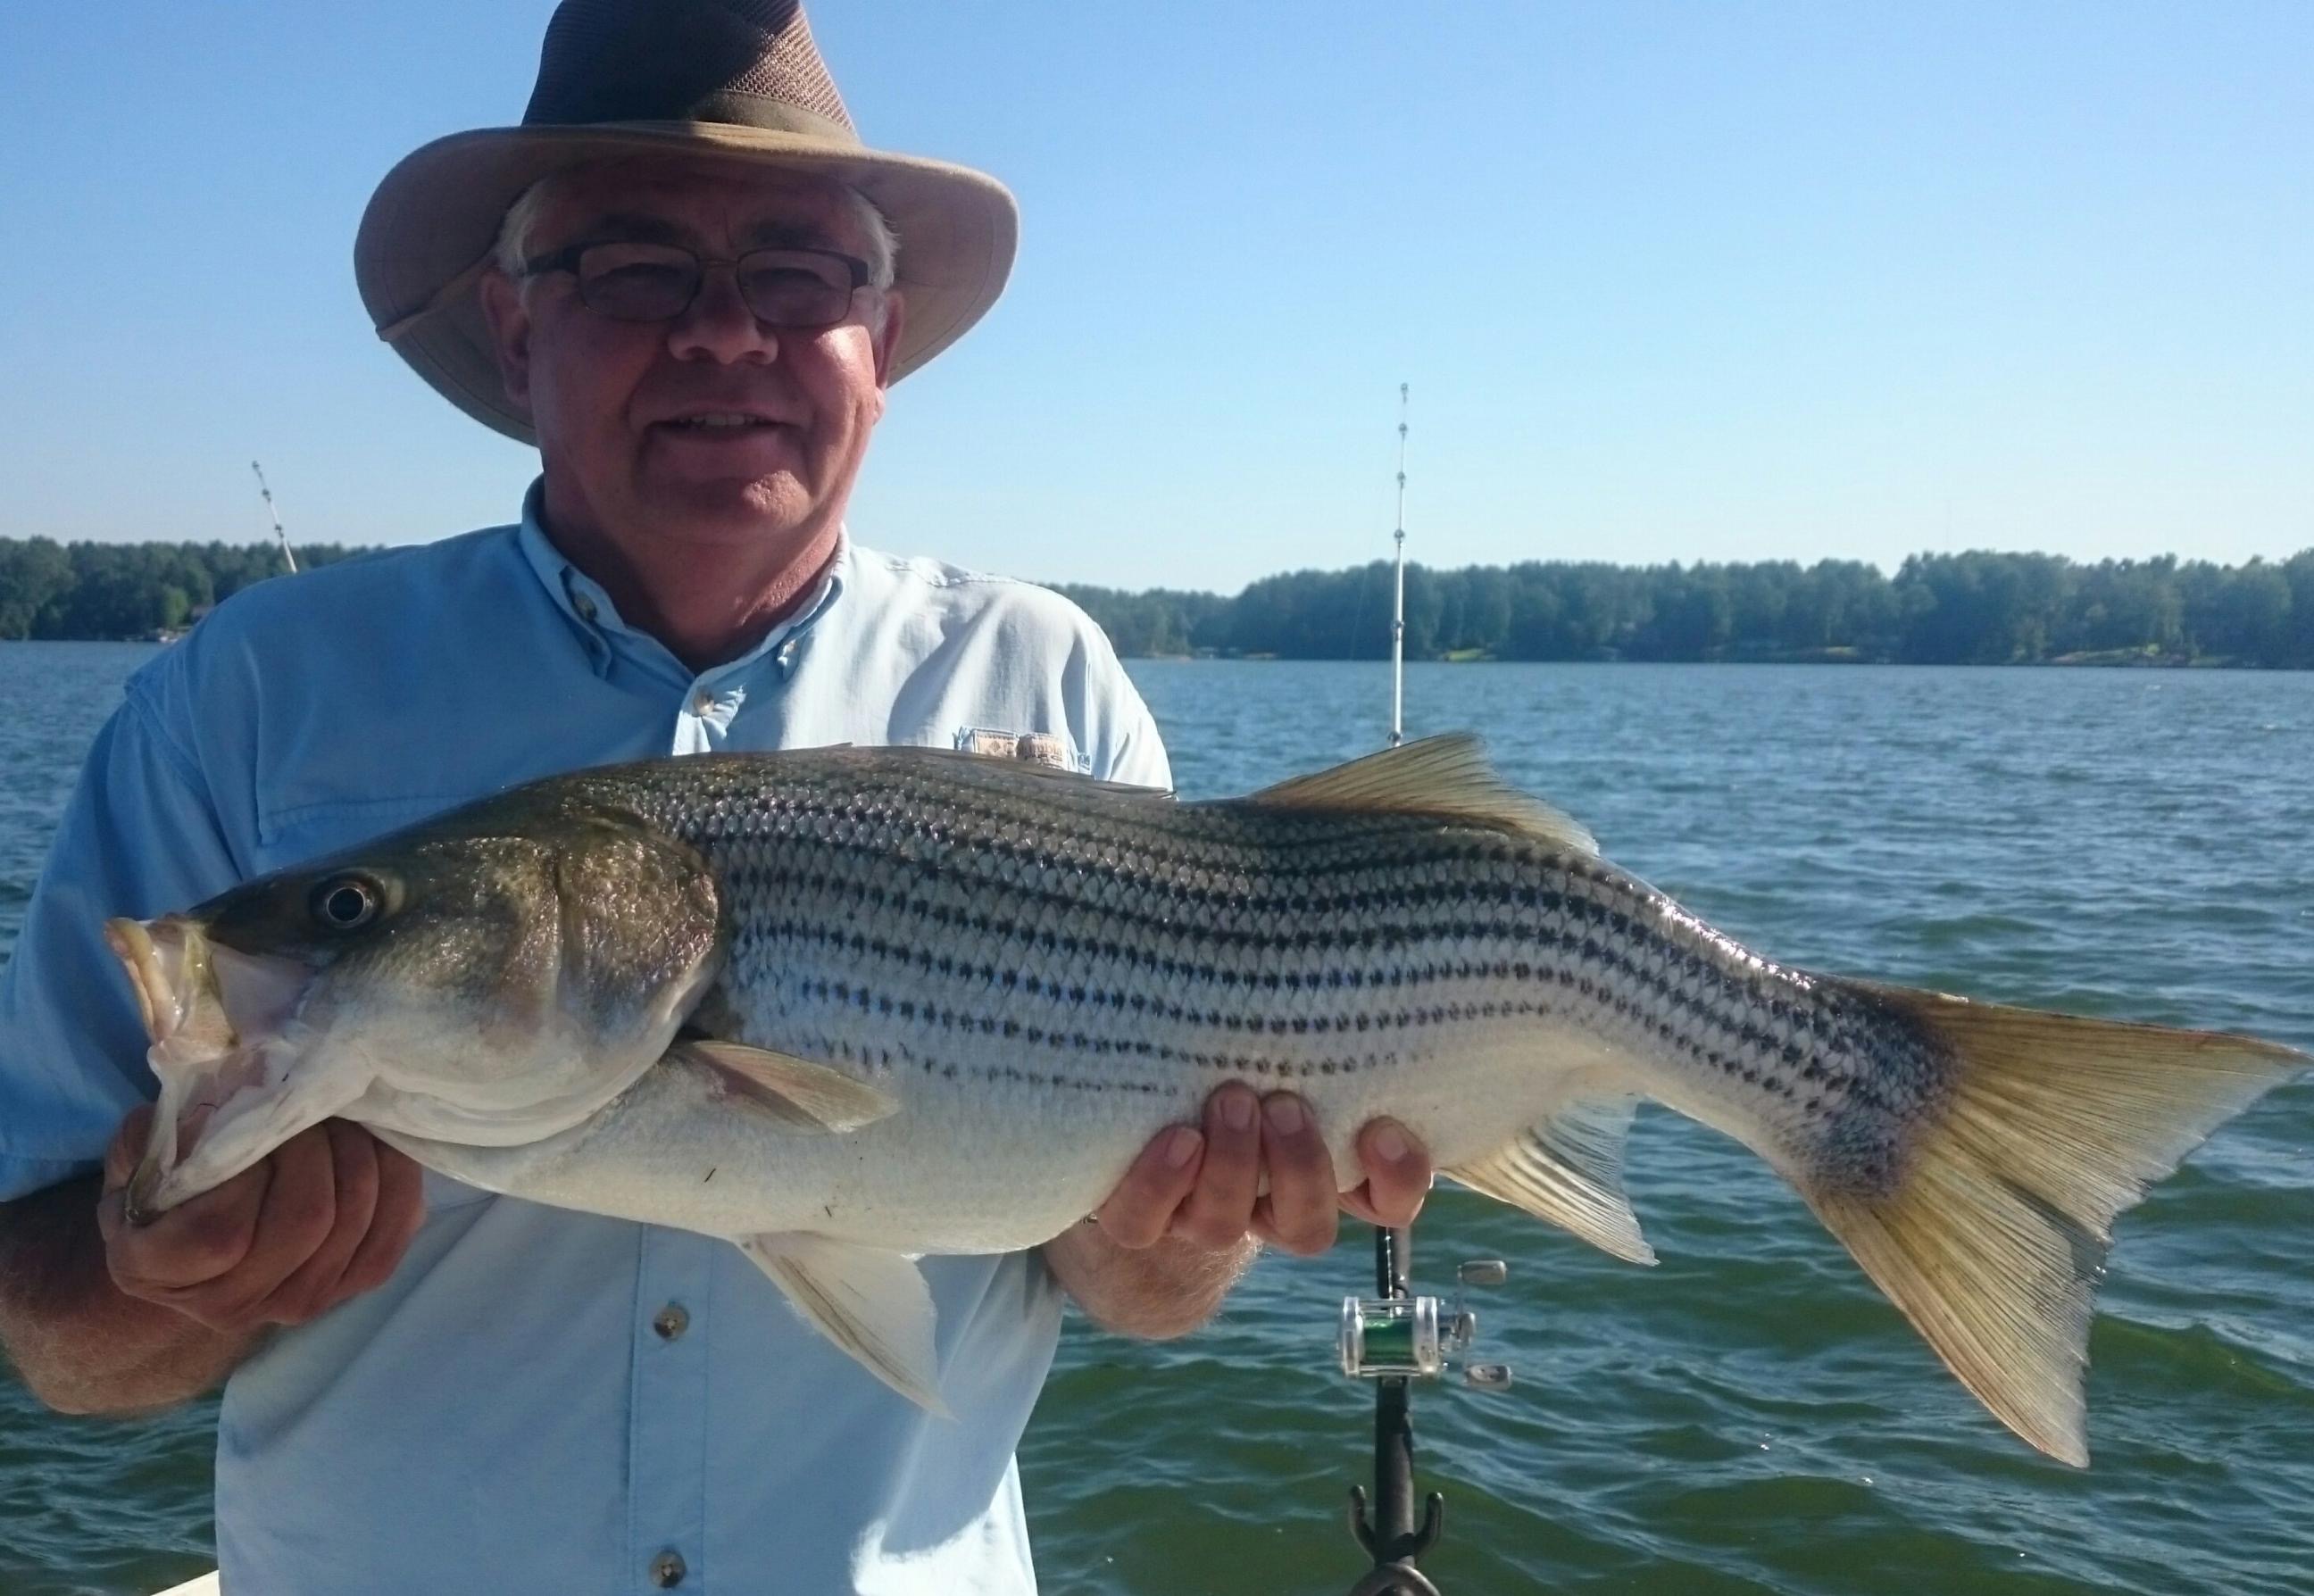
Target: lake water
(1750,1417)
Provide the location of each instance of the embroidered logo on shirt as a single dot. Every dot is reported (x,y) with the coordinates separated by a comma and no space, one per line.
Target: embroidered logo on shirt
(1040,747)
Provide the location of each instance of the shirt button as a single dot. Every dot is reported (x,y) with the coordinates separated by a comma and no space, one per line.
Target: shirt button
(583,605)
(667,1570)
(702,701)
(670,1321)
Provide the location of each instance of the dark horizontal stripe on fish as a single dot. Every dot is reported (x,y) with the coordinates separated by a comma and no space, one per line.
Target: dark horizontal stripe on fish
(1257,858)
(867,998)
(813,869)
(986,918)
(1206,834)
(927,1014)
(1750,988)
(845,1050)
(1722,1039)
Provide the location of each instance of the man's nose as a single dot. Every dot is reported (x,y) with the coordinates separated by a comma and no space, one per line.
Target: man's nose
(718,326)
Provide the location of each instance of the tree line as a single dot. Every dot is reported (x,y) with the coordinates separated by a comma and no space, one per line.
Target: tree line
(49,589)
(1976,608)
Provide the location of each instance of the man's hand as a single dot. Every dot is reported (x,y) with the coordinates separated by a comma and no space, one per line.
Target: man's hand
(1177,1231)
(1200,1184)
(325,1217)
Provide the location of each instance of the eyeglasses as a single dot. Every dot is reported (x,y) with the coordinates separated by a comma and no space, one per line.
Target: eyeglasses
(800,290)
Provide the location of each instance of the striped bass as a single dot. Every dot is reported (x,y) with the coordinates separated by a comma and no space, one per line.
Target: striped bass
(847,1005)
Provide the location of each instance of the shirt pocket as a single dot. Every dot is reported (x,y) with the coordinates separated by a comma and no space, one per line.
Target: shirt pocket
(288,837)
(1054,748)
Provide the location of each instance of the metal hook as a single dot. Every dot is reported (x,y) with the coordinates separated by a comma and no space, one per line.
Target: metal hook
(1434,1520)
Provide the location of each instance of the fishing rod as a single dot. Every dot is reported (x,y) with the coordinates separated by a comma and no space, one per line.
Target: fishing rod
(1398,604)
(287,557)
(1396,1338)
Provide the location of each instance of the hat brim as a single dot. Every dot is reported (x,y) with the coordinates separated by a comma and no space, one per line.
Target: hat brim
(438,214)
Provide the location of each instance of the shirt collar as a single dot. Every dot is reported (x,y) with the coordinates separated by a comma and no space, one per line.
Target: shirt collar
(588,605)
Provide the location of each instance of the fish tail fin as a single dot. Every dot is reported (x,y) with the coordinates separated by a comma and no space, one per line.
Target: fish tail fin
(1992,1239)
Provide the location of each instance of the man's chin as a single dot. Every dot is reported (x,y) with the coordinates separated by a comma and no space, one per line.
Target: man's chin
(754,510)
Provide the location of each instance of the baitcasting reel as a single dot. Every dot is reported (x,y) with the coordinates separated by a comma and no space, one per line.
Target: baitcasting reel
(1416,1337)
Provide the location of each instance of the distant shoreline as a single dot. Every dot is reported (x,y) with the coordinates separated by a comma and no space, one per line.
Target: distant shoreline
(1975,608)
(2118,661)
(2068,662)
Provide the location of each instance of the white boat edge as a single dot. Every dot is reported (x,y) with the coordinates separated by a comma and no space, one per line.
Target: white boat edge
(206,1585)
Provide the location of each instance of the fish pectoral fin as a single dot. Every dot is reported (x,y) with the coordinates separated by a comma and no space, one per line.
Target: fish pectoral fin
(796,1091)
(1448,777)
(874,1305)
(1569,1170)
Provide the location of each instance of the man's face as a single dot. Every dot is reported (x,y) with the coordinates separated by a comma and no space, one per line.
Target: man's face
(615,404)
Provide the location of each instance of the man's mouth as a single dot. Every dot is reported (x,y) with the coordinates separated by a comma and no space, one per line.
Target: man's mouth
(724,424)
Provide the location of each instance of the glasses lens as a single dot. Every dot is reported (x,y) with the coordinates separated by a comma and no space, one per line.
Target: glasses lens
(796,287)
(637,282)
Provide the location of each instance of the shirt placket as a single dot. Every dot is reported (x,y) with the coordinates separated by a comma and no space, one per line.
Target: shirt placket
(667,1457)
(713,700)
(709,704)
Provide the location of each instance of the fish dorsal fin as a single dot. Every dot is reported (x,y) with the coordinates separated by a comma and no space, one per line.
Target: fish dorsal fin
(796,1091)
(1569,1170)
(1446,776)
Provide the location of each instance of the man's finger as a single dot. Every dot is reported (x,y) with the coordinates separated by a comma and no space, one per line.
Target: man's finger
(311,1286)
(1219,1206)
(1143,1206)
(401,1211)
(1397,1175)
(1298,1214)
(187,1248)
(292,1220)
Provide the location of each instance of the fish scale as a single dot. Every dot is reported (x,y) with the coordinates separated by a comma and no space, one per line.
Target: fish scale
(935,1002)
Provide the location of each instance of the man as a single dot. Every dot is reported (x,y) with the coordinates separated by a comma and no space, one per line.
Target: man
(689,282)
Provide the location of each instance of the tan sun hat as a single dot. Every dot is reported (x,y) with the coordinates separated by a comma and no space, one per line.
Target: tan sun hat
(637,77)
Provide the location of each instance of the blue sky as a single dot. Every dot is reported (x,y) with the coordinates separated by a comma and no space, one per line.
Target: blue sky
(1669,281)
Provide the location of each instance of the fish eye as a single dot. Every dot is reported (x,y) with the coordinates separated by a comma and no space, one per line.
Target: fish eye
(346,903)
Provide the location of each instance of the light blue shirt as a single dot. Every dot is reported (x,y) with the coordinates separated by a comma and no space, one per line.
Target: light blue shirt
(503,1416)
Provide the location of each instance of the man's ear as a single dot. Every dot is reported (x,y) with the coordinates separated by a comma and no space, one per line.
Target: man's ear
(509,321)
(888,336)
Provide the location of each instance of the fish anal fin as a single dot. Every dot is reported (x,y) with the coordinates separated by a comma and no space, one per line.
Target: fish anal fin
(1992,1236)
(795,1091)
(873,1304)
(1448,777)
(1569,1170)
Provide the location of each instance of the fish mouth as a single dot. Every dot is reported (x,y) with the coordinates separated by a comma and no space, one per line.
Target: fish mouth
(222,1025)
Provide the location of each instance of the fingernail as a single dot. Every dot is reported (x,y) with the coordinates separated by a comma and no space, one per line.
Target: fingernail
(1181,1147)
(1391,1142)
(1285,1115)
(1237,1110)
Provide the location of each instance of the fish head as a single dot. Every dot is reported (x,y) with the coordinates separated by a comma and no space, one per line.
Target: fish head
(490,979)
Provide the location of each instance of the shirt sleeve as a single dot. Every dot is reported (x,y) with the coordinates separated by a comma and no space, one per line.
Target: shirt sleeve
(1121,738)
(140,837)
